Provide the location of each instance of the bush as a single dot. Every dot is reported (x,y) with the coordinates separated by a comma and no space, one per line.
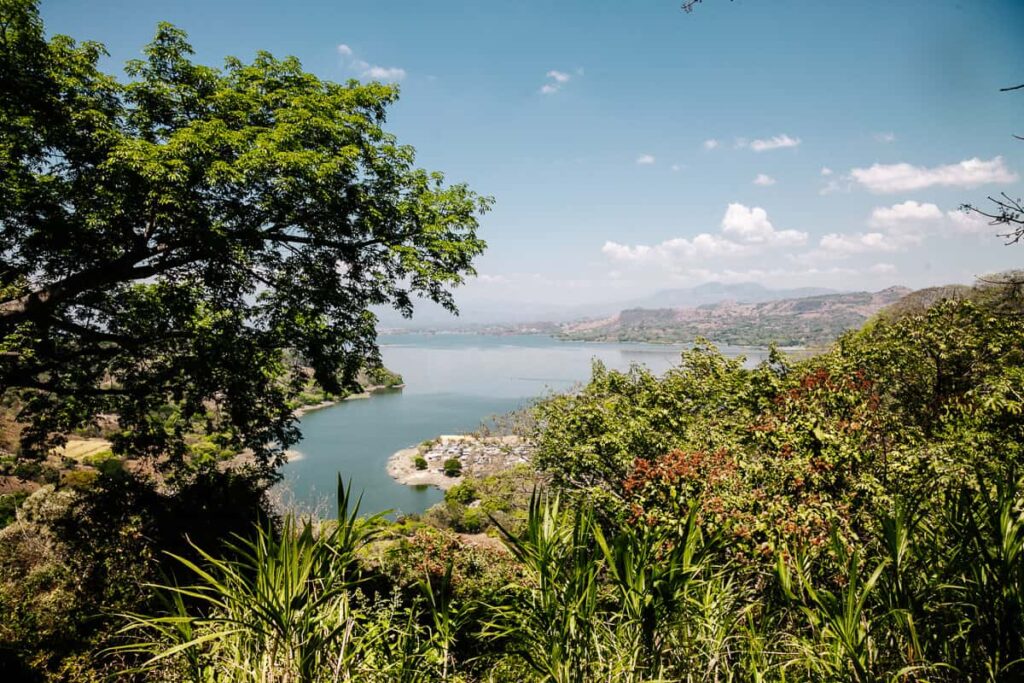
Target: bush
(75,557)
(9,503)
(452,467)
(420,462)
(28,469)
(97,459)
(464,493)
(79,479)
(474,520)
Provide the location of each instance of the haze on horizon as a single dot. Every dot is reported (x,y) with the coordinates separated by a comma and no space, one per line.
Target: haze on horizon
(635,148)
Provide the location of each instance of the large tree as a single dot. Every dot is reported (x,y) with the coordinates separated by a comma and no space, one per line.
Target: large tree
(187,236)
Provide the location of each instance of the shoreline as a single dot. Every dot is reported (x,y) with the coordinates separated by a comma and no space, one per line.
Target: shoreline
(368,393)
(401,468)
(479,456)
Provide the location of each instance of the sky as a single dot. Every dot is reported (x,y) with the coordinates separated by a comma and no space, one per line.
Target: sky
(631,147)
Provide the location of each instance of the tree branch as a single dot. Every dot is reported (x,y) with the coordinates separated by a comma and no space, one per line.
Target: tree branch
(123,269)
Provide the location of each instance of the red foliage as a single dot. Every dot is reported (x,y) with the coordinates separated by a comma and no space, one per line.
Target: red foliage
(679,467)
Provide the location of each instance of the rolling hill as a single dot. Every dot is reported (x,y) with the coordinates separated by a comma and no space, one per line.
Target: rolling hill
(799,321)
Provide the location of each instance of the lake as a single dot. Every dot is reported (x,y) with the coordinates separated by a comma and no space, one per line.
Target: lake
(453,383)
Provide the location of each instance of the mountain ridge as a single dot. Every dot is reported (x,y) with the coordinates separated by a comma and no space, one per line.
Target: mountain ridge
(798,321)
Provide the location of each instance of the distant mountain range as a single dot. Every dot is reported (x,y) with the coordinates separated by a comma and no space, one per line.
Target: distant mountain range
(717,292)
(483,313)
(796,321)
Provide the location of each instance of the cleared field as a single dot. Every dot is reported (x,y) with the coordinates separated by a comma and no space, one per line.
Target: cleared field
(80,448)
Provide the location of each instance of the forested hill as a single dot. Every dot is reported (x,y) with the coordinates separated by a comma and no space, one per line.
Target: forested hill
(804,321)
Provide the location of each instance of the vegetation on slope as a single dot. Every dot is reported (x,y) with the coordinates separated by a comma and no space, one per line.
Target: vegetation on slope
(858,515)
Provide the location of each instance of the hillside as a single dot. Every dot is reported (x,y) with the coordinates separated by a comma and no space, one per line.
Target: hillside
(719,292)
(802,321)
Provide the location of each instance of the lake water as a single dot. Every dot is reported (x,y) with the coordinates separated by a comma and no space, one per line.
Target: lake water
(453,383)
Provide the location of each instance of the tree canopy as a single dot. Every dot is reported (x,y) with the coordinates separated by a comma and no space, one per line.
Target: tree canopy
(189,236)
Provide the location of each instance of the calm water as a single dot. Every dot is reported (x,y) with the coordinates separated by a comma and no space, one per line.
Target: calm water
(453,382)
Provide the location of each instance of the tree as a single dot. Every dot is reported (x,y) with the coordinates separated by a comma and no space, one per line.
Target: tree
(690,5)
(452,467)
(1007,212)
(181,242)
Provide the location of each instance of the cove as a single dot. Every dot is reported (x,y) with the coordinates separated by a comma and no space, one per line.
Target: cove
(452,383)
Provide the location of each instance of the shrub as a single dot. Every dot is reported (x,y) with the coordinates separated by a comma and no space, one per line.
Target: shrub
(474,520)
(28,469)
(79,479)
(76,557)
(464,493)
(420,462)
(9,503)
(452,467)
(97,459)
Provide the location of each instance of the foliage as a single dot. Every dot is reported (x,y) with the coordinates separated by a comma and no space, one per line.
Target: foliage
(193,236)
(583,603)
(76,555)
(588,440)
(477,503)
(282,608)
(9,503)
(297,606)
(452,467)
(420,462)
(788,451)
(858,516)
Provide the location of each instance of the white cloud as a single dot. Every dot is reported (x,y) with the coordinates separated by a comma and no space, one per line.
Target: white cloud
(751,226)
(764,180)
(711,143)
(894,228)
(885,137)
(745,232)
(645,159)
(384,73)
(834,183)
(558,80)
(774,142)
(908,216)
(676,167)
(859,243)
(897,228)
(826,171)
(367,70)
(674,252)
(970,223)
(882,269)
(889,178)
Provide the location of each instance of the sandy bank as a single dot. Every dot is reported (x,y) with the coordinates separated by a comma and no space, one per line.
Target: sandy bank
(370,391)
(402,469)
(479,456)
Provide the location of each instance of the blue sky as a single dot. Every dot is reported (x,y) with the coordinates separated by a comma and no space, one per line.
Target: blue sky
(631,147)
